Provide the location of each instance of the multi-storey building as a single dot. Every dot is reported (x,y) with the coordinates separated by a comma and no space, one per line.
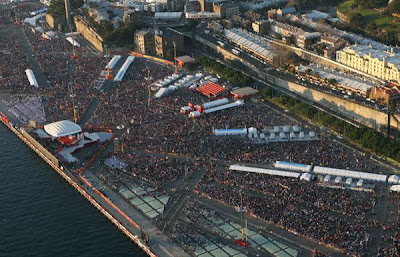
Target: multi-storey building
(381,64)
(283,29)
(164,42)
(144,41)
(260,26)
(225,8)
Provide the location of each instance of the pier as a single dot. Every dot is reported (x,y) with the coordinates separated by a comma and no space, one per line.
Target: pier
(68,176)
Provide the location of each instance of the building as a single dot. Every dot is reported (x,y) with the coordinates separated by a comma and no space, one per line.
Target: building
(192,6)
(205,6)
(98,14)
(215,26)
(384,94)
(317,15)
(283,29)
(226,9)
(168,16)
(251,42)
(381,64)
(244,92)
(164,43)
(305,39)
(202,15)
(185,60)
(333,44)
(260,26)
(144,42)
(131,16)
(350,84)
(329,40)
(282,12)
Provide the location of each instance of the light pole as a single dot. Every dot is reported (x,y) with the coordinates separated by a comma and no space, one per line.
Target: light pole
(176,68)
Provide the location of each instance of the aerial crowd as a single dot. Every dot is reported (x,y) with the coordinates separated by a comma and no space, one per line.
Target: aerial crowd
(161,145)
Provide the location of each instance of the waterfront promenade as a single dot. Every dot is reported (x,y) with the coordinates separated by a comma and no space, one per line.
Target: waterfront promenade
(125,222)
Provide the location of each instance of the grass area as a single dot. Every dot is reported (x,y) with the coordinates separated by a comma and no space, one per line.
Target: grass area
(387,22)
(384,22)
(345,6)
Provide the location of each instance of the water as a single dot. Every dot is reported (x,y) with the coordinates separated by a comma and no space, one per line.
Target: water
(42,215)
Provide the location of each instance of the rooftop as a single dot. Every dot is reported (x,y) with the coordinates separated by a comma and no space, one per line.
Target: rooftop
(62,128)
(250,41)
(244,91)
(211,89)
(367,50)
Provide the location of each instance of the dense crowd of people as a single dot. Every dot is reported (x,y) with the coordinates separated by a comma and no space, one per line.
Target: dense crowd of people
(340,218)
(390,245)
(161,171)
(13,62)
(189,237)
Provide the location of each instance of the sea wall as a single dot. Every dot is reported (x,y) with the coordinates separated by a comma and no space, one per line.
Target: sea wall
(88,33)
(357,112)
(72,181)
(43,150)
(50,21)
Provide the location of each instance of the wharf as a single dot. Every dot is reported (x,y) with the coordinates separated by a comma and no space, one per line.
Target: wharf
(121,220)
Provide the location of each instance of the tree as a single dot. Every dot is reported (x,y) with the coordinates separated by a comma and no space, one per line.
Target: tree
(77,4)
(169,54)
(278,36)
(370,4)
(356,20)
(290,40)
(394,6)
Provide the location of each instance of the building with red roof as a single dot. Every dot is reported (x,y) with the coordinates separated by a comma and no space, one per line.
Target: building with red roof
(211,89)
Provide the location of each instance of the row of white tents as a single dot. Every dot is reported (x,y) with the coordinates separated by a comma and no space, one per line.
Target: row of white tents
(174,82)
(306,172)
(124,68)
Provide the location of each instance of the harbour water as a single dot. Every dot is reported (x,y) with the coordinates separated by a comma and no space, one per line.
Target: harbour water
(42,215)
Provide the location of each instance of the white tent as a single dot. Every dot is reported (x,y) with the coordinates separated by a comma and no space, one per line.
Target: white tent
(230,132)
(62,128)
(73,42)
(395,188)
(32,21)
(265,171)
(393,179)
(124,68)
(305,177)
(292,166)
(31,78)
(338,180)
(162,92)
(113,62)
(350,173)
(215,103)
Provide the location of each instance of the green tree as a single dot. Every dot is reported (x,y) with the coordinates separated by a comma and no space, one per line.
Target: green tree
(76,3)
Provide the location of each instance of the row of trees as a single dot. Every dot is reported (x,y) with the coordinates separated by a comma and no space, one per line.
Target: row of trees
(370,4)
(225,72)
(363,136)
(121,37)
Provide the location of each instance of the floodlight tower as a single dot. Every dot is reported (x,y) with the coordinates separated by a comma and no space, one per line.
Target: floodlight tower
(175,65)
(68,12)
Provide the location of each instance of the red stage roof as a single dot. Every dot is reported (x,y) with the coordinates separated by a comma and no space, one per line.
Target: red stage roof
(211,89)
